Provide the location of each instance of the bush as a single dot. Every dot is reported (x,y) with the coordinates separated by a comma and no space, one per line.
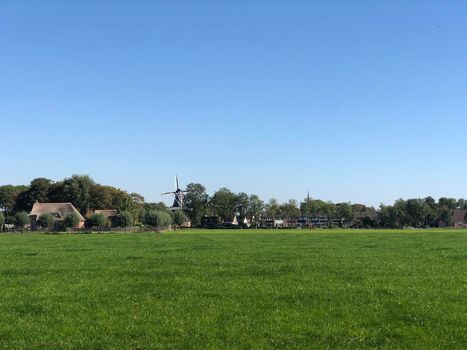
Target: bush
(2,221)
(59,226)
(164,219)
(10,219)
(71,220)
(98,220)
(46,220)
(125,219)
(179,218)
(21,219)
(157,218)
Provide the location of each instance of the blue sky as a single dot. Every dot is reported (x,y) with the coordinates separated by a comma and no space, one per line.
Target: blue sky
(362,101)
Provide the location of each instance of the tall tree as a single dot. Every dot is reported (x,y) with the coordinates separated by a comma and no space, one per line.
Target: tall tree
(242,202)
(9,195)
(223,203)
(415,211)
(100,197)
(37,191)
(196,203)
(290,209)
(2,221)
(76,190)
(255,209)
(272,208)
(344,212)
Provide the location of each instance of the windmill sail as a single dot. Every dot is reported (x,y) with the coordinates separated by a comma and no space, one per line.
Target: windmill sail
(179,196)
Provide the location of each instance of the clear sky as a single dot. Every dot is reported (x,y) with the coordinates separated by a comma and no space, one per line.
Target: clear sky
(362,101)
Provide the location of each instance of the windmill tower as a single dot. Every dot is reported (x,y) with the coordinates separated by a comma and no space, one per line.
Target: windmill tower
(179,195)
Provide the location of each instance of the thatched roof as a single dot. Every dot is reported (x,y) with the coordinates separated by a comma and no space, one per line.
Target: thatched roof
(58,210)
(106,212)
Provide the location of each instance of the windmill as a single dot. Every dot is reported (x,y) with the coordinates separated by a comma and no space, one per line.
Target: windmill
(179,196)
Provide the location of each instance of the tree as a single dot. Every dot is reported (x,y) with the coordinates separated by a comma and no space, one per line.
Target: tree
(196,203)
(9,195)
(46,220)
(223,203)
(255,208)
(163,219)
(399,213)
(329,210)
(241,205)
(99,220)
(137,199)
(125,219)
(415,212)
(273,208)
(150,218)
(344,212)
(2,221)
(290,209)
(75,190)
(448,203)
(430,209)
(37,191)
(158,219)
(71,220)
(121,200)
(21,219)
(100,197)
(179,218)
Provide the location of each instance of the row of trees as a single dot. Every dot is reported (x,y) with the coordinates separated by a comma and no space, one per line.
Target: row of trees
(420,212)
(412,212)
(225,204)
(153,218)
(85,194)
(80,190)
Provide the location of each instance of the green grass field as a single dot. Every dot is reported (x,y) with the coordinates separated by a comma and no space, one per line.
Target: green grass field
(234,290)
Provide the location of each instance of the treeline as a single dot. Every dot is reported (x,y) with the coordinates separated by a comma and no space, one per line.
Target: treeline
(412,212)
(85,194)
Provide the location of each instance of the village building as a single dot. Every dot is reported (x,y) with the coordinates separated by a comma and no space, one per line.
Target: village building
(230,221)
(459,218)
(58,210)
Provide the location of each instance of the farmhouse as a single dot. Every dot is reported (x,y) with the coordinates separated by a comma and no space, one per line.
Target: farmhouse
(58,210)
(459,218)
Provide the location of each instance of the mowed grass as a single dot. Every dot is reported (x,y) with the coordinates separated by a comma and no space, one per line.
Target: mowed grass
(234,290)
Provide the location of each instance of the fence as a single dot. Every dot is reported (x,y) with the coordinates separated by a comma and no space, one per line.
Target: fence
(85,230)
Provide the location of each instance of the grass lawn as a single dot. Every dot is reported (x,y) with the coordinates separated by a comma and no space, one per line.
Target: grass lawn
(234,290)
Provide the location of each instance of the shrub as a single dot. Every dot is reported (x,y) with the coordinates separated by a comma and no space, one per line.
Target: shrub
(99,220)
(2,221)
(157,218)
(179,218)
(21,219)
(46,220)
(164,219)
(150,218)
(71,220)
(59,226)
(125,219)
(10,220)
